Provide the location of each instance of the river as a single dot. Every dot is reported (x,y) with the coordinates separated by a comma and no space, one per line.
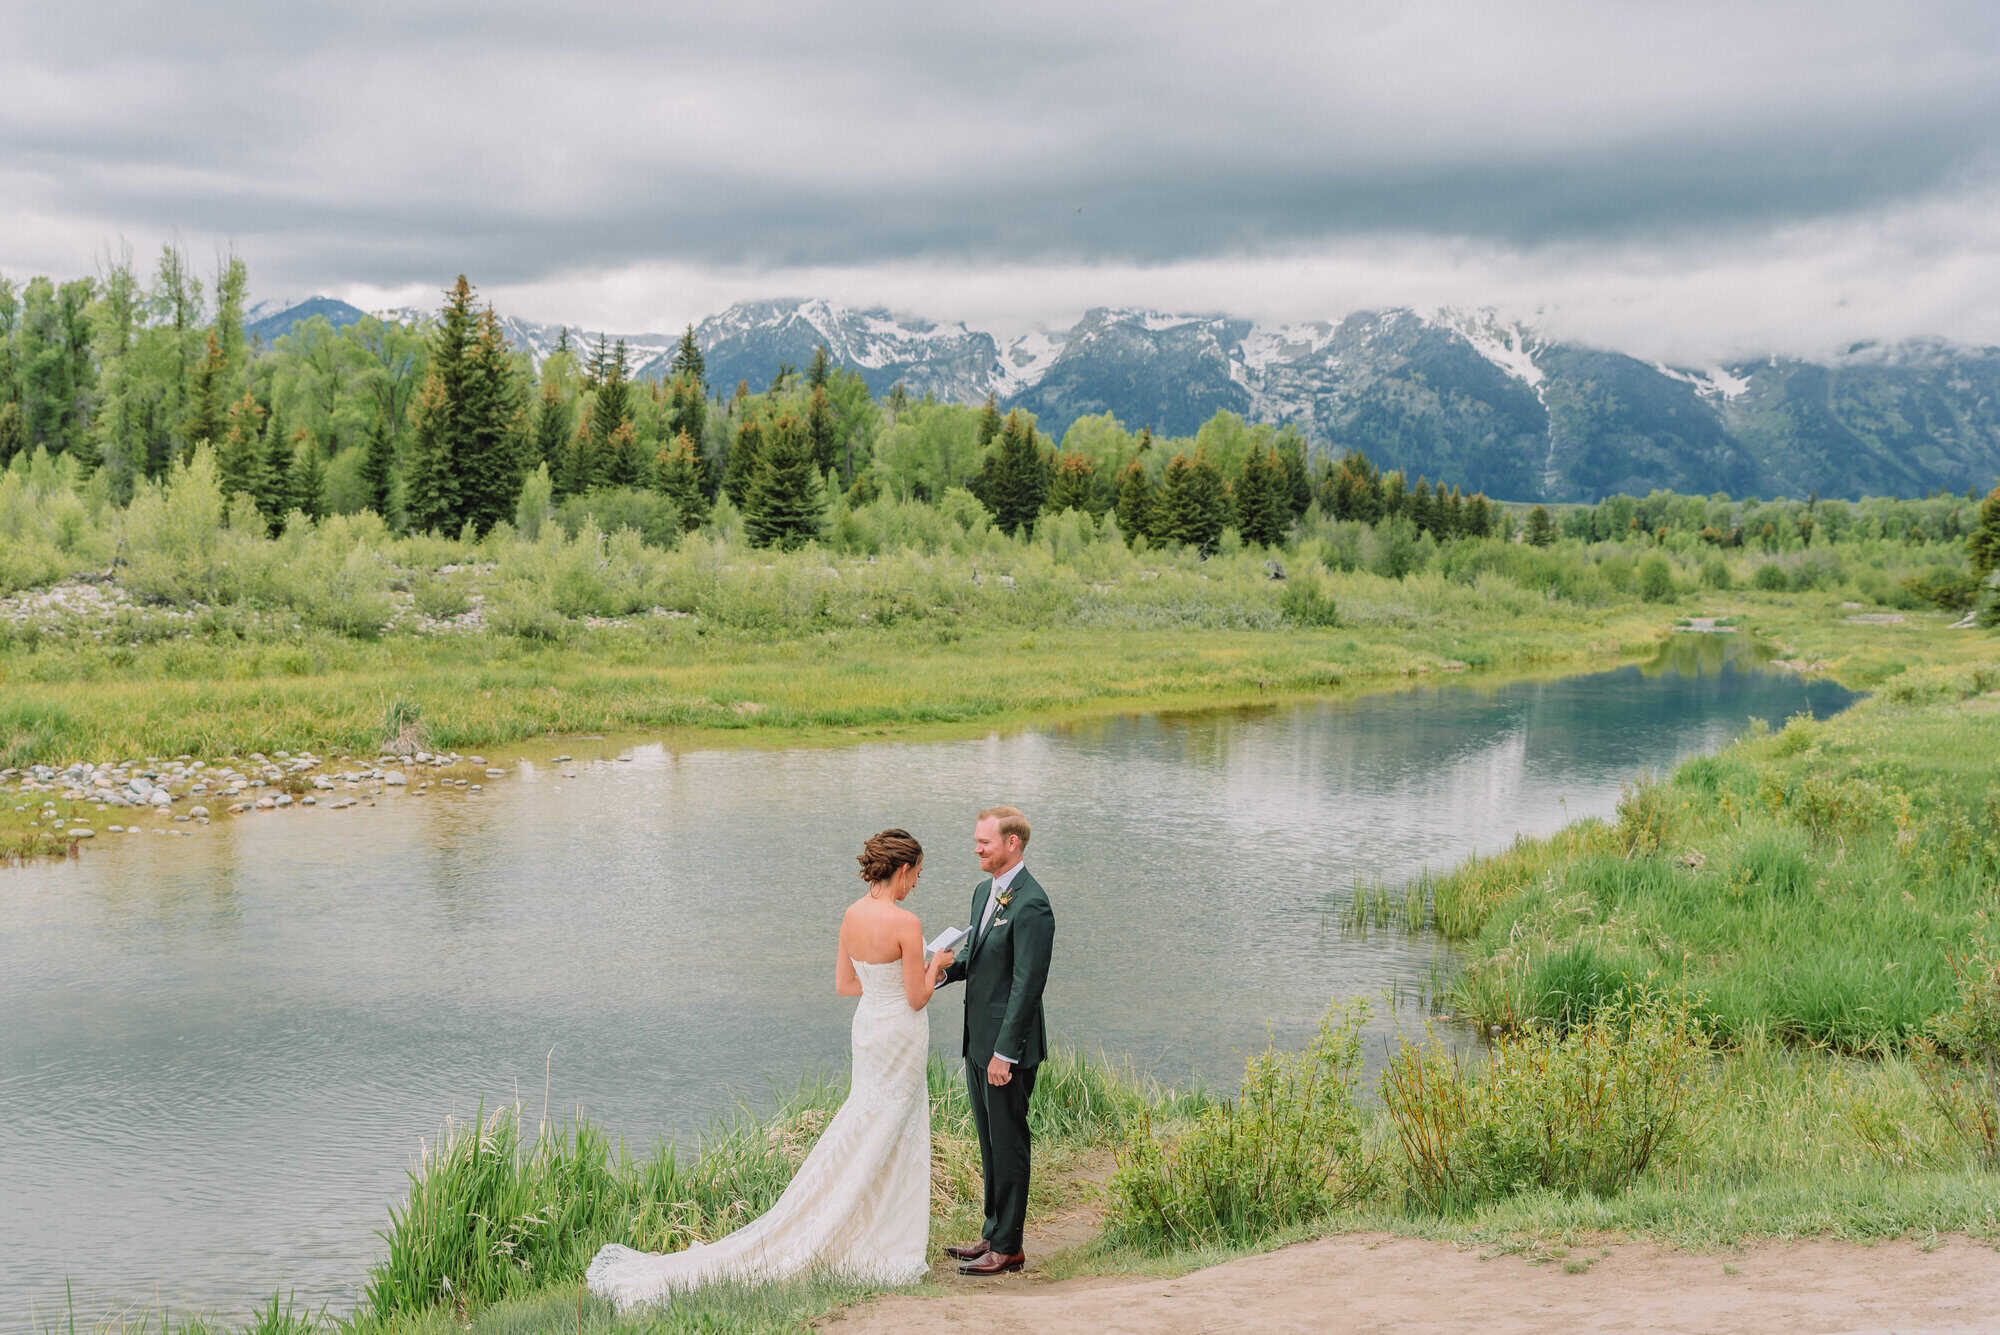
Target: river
(219,1052)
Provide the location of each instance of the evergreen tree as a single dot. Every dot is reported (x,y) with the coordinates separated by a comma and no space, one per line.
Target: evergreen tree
(744,456)
(431,484)
(1019,481)
(1422,512)
(611,411)
(1478,516)
(1984,543)
(309,480)
(1452,519)
(1541,530)
(1135,503)
(786,504)
(562,339)
(688,361)
(205,397)
(1295,483)
(989,423)
(490,456)
(551,428)
(1263,504)
(13,432)
(1194,502)
(378,467)
(1075,484)
(274,496)
(899,402)
(1395,496)
(619,466)
(240,461)
(821,369)
(820,433)
(687,406)
(579,465)
(680,476)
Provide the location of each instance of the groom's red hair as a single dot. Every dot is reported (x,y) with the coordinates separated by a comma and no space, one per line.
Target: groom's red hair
(1011,822)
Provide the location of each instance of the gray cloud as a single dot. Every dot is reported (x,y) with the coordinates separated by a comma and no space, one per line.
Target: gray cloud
(394,146)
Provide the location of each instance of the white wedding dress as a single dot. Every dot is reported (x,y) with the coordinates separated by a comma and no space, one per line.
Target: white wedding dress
(860,1205)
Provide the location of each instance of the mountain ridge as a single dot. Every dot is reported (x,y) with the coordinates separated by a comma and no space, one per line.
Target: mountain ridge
(1492,404)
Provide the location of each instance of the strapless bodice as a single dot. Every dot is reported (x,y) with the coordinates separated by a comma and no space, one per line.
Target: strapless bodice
(880,981)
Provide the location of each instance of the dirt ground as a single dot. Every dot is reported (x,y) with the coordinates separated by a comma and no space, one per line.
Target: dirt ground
(1372,1283)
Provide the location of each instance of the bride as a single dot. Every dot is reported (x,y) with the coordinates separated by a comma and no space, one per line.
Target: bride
(859,1206)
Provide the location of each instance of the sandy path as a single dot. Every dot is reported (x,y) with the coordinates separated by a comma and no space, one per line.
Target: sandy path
(1362,1284)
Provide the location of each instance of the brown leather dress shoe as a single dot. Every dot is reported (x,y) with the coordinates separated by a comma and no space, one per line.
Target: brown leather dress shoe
(994,1263)
(969,1251)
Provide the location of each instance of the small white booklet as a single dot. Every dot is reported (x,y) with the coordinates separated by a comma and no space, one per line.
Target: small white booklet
(948,939)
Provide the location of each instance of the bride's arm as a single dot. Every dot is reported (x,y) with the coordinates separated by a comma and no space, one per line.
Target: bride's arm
(846,983)
(919,979)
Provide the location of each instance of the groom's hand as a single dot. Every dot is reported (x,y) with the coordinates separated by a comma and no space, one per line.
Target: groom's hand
(998,1072)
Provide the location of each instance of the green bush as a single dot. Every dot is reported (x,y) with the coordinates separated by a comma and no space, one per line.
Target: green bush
(1286,1149)
(1579,1112)
(1308,601)
(1656,579)
(1945,588)
(1958,1055)
(440,597)
(1771,578)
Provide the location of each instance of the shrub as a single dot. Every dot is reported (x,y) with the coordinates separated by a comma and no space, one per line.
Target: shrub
(1656,579)
(1715,574)
(1958,1056)
(1943,587)
(1771,578)
(440,598)
(1582,1112)
(1286,1149)
(1308,601)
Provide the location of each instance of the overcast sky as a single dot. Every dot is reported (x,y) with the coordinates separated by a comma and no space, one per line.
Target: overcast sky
(1681,179)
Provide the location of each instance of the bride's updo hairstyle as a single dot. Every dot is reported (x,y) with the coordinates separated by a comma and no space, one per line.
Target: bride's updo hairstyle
(883,854)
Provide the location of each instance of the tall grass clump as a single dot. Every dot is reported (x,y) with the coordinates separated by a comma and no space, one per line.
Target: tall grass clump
(1582,1111)
(1286,1149)
(1958,1056)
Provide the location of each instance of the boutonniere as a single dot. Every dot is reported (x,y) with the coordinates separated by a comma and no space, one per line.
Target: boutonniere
(1005,897)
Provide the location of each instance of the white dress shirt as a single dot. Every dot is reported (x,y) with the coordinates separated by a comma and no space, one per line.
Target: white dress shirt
(1001,884)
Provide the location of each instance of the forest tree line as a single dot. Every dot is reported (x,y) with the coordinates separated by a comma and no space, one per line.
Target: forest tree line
(439,427)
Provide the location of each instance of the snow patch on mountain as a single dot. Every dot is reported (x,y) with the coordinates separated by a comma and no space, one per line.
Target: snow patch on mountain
(1711,382)
(1511,347)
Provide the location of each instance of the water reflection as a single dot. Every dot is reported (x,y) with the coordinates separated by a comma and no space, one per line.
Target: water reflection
(221,1050)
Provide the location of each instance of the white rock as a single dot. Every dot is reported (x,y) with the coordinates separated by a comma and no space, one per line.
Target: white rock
(160,798)
(266,803)
(82,832)
(198,813)
(394,778)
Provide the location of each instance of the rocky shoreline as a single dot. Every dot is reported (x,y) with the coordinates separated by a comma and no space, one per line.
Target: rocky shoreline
(190,791)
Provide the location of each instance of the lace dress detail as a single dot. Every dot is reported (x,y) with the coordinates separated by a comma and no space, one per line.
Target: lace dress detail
(859,1206)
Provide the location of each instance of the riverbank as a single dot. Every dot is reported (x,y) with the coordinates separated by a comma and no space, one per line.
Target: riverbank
(140,709)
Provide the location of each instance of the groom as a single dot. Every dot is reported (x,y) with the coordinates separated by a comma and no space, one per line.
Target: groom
(1005,966)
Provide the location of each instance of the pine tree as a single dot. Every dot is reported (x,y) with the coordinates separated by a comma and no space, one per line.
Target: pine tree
(378,467)
(205,397)
(989,423)
(579,464)
(1194,502)
(1984,543)
(1019,481)
(687,406)
(819,425)
(13,432)
(1478,516)
(1541,530)
(786,503)
(821,369)
(688,361)
(431,483)
(1296,483)
(309,480)
(274,490)
(744,455)
(1136,519)
(562,340)
(1075,485)
(1263,506)
(240,461)
(1420,510)
(1451,520)
(899,402)
(619,466)
(680,475)
(611,410)
(551,428)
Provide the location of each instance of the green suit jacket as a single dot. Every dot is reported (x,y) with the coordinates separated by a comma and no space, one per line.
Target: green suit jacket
(1004,972)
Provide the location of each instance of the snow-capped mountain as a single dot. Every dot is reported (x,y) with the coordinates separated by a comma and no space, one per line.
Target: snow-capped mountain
(1491,404)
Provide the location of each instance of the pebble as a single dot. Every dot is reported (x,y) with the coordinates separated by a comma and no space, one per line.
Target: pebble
(394,778)
(266,803)
(198,813)
(82,832)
